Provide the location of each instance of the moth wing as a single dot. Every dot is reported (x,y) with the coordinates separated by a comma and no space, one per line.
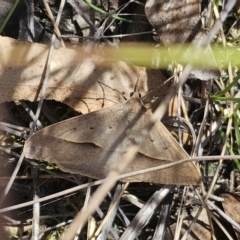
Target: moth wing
(79,158)
(94,127)
(162,148)
(184,174)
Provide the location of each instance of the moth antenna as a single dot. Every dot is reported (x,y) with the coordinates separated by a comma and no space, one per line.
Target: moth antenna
(136,88)
(137,84)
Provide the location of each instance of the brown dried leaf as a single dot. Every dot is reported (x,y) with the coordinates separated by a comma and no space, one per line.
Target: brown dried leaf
(200,230)
(179,22)
(75,78)
(231,205)
(175,21)
(76,145)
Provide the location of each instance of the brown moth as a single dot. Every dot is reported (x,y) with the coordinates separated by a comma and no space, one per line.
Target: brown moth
(76,145)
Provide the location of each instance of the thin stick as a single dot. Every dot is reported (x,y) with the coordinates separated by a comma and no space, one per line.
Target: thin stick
(47,70)
(126,175)
(98,196)
(36,206)
(228,131)
(110,211)
(55,25)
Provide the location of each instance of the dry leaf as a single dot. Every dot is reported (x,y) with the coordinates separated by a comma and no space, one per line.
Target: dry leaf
(76,145)
(75,78)
(175,21)
(200,229)
(179,22)
(231,205)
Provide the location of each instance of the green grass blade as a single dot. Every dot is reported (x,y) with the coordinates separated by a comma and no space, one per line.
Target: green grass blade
(8,16)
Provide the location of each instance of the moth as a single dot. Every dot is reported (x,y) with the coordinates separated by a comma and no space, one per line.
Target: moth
(77,144)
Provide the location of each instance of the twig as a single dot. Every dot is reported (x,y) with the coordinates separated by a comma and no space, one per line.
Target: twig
(145,214)
(31,113)
(47,70)
(82,14)
(13,131)
(55,24)
(36,206)
(108,220)
(159,233)
(9,151)
(180,215)
(12,178)
(126,175)
(224,215)
(98,195)
(228,131)
(20,128)
(30,14)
